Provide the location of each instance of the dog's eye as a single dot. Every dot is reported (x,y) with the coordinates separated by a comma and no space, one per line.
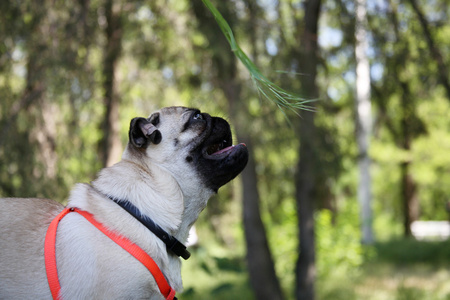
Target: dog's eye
(197,116)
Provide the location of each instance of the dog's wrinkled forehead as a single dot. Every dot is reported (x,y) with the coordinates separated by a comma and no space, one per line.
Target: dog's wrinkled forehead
(180,123)
(174,114)
(173,117)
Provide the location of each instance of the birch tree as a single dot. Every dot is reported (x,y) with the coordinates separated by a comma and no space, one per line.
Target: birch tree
(363,121)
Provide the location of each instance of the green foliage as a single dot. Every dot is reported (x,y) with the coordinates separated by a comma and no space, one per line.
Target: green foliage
(214,271)
(339,248)
(282,233)
(409,293)
(339,253)
(431,168)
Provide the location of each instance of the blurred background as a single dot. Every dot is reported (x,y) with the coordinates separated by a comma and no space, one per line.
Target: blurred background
(347,201)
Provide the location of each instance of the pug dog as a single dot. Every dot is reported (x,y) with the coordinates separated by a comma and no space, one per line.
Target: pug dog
(174,162)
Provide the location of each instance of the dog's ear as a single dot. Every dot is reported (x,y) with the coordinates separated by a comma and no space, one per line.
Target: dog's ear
(143,131)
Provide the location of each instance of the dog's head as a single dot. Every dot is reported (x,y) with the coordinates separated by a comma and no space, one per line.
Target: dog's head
(190,144)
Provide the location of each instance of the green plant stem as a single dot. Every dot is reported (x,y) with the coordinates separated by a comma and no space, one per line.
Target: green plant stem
(283,99)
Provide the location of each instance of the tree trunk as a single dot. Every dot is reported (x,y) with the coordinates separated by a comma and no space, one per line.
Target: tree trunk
(363,121)
(263,278)
(110,145)
(34,99)
(306,175)
(409,196)
(261,268)
(306,263)
(260,263)
(410,202)
(36,86)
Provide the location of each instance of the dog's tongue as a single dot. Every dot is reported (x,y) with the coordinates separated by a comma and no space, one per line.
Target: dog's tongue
(227,149)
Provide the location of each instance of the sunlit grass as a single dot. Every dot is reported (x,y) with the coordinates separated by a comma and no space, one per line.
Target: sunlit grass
(386,281)
(215,272)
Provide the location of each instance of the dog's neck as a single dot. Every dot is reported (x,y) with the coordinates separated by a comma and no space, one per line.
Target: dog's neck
(176,210)
(173,244)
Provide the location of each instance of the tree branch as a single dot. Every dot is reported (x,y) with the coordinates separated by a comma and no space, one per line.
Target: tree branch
(435,53)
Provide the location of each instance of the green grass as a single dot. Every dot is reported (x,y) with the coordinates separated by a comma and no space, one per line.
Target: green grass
(409,251)
(388,281)
(395,270)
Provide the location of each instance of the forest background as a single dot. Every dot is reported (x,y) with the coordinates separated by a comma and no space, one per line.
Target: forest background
(73,74)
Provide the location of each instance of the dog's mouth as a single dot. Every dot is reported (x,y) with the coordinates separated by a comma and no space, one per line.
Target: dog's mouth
(216,149)
(220,160)
(222,149)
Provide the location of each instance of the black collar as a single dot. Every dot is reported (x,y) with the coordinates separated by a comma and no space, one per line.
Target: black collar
(171,242)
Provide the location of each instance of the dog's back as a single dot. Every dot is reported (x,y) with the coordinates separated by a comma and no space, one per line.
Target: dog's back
(23,225)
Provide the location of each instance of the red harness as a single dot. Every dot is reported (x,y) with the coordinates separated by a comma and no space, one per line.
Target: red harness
(50,254)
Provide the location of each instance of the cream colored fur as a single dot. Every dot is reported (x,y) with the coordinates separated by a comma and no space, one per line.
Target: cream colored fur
(90,266)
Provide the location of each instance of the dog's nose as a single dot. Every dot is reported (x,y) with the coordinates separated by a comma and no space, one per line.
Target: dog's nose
(220,124)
